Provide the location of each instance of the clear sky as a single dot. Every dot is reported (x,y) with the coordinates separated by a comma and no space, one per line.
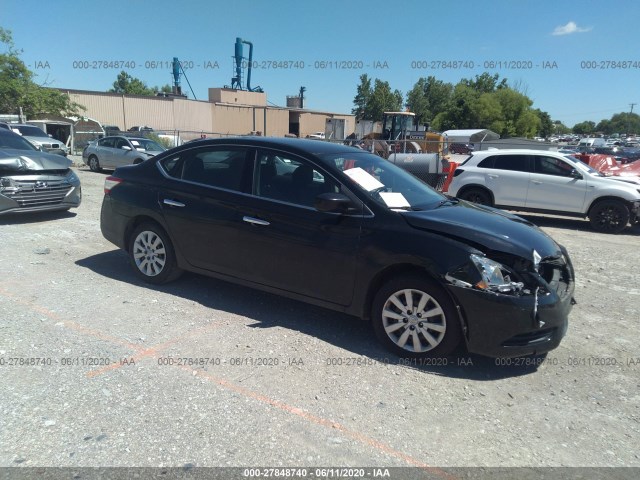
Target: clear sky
(583,44)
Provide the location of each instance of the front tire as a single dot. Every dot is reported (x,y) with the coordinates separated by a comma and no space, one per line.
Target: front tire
(413,317)
(477,195)
(609,216)
(152,255)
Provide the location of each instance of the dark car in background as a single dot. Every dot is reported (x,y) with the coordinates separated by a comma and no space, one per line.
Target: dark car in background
(342,228)
(32,180)
(116,151)
(462,148)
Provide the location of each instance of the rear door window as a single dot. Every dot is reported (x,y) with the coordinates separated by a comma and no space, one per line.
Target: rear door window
(516,163)
(221,167)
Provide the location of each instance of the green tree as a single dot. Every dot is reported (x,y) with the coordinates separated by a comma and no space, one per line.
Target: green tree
(486,83)
(584,128)
(18,88)
(546,125)
(362,98)
(129,85)
(625,122)
(428,97)
(560,128)
(370,103)
(606,127)
(519,120)
(463,110)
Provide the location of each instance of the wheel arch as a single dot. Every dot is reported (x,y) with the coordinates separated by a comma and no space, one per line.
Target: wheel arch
(397,270)
(476,186)
(608,198)
(136,221)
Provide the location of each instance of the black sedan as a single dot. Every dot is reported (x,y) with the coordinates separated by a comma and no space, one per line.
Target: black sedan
(345,229)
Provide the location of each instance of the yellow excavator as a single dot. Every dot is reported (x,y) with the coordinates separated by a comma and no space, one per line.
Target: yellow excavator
(421,153)
(400,134)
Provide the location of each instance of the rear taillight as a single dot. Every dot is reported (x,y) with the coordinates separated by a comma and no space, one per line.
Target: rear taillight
(111,182)
(457,172)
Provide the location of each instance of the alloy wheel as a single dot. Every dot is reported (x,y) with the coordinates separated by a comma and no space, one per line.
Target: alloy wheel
(149,253)
(414,320)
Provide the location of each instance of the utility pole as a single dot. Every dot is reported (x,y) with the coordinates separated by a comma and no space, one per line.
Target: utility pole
(631,112)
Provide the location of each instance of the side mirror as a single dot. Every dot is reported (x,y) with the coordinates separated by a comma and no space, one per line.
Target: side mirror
(576,174)
(125,147)
(332,202)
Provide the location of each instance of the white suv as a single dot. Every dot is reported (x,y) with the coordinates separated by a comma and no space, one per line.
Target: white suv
(544,181)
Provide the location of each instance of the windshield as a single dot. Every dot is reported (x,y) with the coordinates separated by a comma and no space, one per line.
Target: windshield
(16,142)
(29,131)
(387,184)
(147,145)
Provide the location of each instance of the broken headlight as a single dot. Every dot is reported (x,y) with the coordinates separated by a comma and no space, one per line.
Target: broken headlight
(485,274)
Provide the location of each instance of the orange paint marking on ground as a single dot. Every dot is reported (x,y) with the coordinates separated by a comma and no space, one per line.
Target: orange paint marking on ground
(362,438)
(153,351)
(71,325)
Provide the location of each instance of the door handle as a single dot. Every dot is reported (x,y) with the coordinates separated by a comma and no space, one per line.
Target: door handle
(173,203)
(492,176)
(537,182)
(255,221)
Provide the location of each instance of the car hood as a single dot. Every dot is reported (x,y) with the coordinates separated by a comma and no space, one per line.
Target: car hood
(15,162)
(492,228)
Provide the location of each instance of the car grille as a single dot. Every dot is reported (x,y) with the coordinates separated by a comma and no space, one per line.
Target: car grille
(33,193)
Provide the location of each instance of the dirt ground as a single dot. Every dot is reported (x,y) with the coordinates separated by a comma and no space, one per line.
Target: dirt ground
(99,369)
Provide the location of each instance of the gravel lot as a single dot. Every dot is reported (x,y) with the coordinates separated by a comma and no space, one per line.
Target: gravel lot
(288,384)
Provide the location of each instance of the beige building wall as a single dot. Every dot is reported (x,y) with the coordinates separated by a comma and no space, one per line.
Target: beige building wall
(277,122)
(237,97)
(194,116)
(108,109)
(232,120)
(155,112)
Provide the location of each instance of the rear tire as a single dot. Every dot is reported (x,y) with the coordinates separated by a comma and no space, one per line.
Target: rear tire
(609,216)
(477,195)
(94,164)
(152,255)
(413,317)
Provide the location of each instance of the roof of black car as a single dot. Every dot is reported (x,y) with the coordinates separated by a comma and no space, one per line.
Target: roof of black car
(299,145)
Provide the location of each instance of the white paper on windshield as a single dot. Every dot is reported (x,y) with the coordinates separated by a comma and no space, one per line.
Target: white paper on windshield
(135,142)
(364,179)
(394,200)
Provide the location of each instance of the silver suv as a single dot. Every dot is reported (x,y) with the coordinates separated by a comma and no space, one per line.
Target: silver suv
(40,139)
(548,182)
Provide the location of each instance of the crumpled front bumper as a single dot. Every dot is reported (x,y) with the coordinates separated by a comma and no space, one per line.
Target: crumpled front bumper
(509,325)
